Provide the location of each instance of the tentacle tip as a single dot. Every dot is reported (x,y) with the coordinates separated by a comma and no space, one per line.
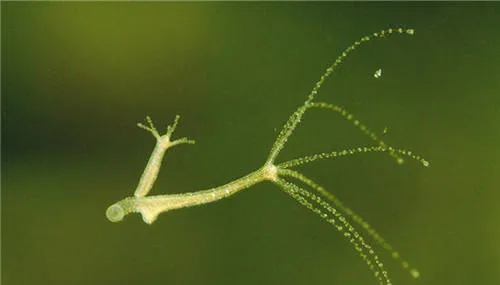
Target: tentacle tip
(414,273)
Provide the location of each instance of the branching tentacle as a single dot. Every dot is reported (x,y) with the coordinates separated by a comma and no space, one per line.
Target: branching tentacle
(354,217)
(163,142)
(295,118)
(334,217)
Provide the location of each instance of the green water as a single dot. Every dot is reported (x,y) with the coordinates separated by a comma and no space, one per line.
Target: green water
(77,77)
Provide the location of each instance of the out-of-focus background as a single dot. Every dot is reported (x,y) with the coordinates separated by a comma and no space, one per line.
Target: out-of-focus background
(77,77)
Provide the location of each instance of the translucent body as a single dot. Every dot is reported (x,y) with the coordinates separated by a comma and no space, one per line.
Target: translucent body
(317,199)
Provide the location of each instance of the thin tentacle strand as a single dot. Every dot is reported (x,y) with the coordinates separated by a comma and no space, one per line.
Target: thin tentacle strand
(335,218)
(353,216)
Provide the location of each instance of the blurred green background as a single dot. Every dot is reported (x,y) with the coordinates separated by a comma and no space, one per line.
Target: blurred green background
(76,77)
